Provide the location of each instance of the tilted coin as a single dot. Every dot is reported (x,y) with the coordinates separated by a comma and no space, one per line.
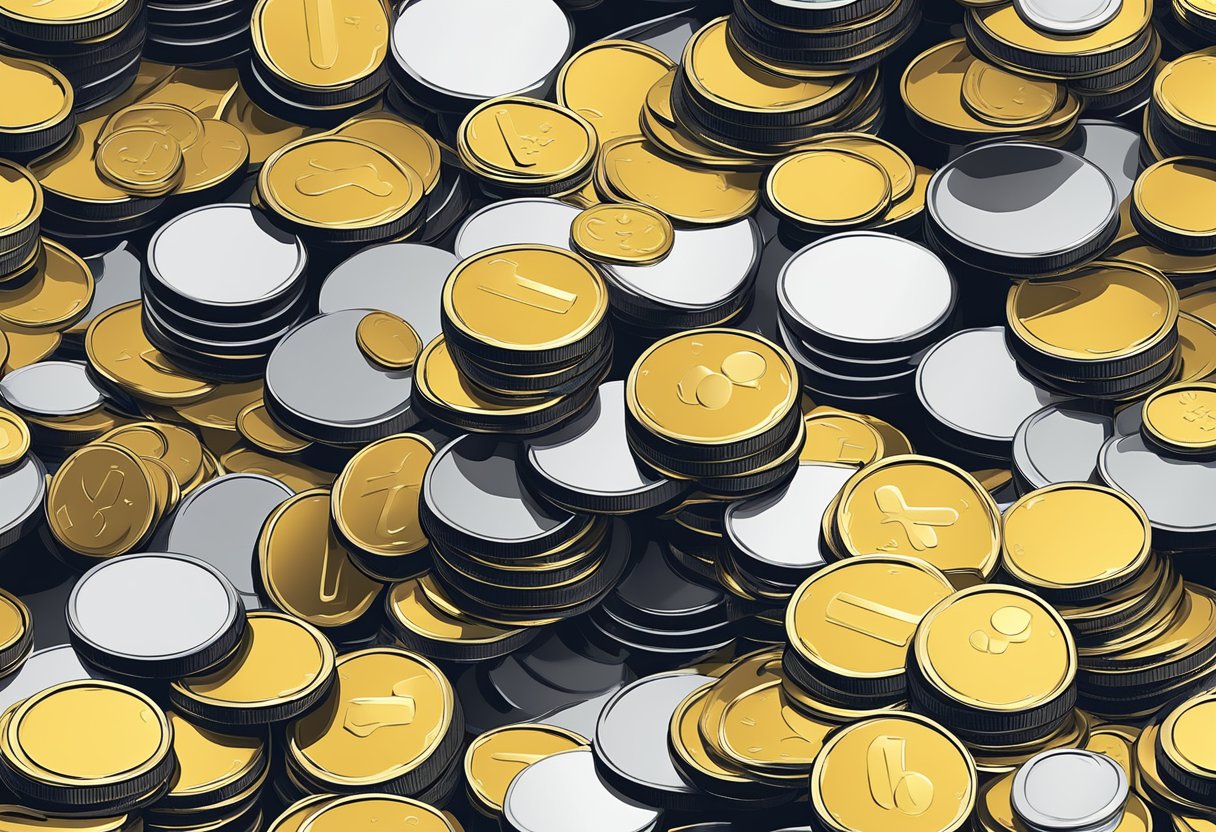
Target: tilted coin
(1176,417)
(388,340)
(101,502)
(628,234)
(545,795)
(52,388)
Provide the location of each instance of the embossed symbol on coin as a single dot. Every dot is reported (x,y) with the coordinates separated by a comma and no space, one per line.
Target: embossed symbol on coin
(713,390)
(101,501)
(364,177)
(367,714)
(918,522)
(1010,625)
(506,282)
(623,235)
(520,145)
(391,522)
(870,618)
(891,784)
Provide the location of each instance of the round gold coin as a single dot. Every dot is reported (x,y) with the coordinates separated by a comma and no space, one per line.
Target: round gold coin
(833,187)
(1182,417)
(38,96)
(14,438)
(1183,734)
(173,445)
(627,234)
(686,743)
(839,437)
(525,141)
(320,46)
(1005,99)
(16,631)
(497,756)
(421,623)
(21,196)
(895,162)
(761,731)
(388,341)
(55,297)
(295,475)
(209,762)
(1183,89)
(376,811)
(1174,203)
(169,119)
(101,502)
(141,161)
(405,140)
(258,428)
(219,156)
(897,771)
(375,498)
(712,386)
(606,83)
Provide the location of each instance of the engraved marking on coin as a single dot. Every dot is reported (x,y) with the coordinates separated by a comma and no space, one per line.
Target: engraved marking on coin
(319,26)
(918,522)
(363,177)
(870,618)
(713,390)
(367,714)
(521,146)
(891,784)
(1011,625)
(509,284)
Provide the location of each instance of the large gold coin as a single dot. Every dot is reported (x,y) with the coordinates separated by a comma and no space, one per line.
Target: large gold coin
(1004,99)
(209,762)
(101,502)
(526,141)
(1182,416)
(37,96)
(403,139)
(899,771)
(1185,736)
(1179,196)
(118,350)
(376,811)
(712,386)
(607,82)
(834,187)
(14,438)
(1183,89)
(498,755)
(320,44)
(141,161)
(388,340)
(627,234)
(21,198)
(375,498)
(56,295)
(761,731)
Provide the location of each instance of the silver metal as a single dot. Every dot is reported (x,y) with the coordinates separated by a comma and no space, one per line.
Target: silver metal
(1069,790)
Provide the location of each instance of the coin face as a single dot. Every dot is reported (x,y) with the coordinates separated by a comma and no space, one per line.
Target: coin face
(626,234)
(101,501)
(1098,792)
(316,47)
(375,498)
(1180,88)
(210,761)
(412,145)
(1067,18)
(141,160)
(857,188)
(496,757)
(1181,730)
(1177,195)
(761,730)
(58,293)
(22,196)
(606,83)
(528,139)
(14,438)
(41,95)
(1177,416)
(388,340)
(549,792)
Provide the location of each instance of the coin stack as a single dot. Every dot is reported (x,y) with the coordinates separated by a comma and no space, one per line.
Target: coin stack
(1173,773)
(20,242)
(198,32)
(29,133)
(1186,25)
(59,425)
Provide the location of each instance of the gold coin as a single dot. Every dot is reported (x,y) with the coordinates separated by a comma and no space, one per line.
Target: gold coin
(282,661)
(265,133)
(829,187)
(168,119)
(912,204)
(840,437)
(412,608)
(525,140)
(219,409)
(210,762)
(1075,536)
(637,171)
(304,568)
(1196,346)
(375,498)
(1185,734)
(994,648)
(1179,195)
(142,161)
(898,771)
(1182,416)
(855,618)
(72,11)
(175,446)
(14,438)
(56,296)
(1003,24)
(376,811)
(293,816)
(21,196)
(499,755)
(388,341)
(1104,311)
(627,234)
(1004,99)
(1183,89)
(338,182)
(525,298)
(16,627)
(606,83)
(295,475)
(221,154)
(712,386)
(321,45)
(255,423)
(895,162)
(405,140)
(101,501)
(684,740)
(387,713)
(38,96)
(760,731)
(1115,741)
(922,507)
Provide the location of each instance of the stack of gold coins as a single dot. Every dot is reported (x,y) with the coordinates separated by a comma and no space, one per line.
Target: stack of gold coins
(1178,121)
(1108,330)
(719,408)
(1175,419)
(20,244)
(37,125)
(1176,772)
(1171,205)
(1185,24)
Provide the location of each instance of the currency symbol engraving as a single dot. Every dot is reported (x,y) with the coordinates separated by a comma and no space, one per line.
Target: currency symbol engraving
(327,180)
(918,522)
(319,29)
(388,484)
(367,714)
(712,390)
(332,561)
(891,784)
(506,282)
(522,146)
(1201,416)
(870,618)
(100,504)
(1009,625)
(624,237)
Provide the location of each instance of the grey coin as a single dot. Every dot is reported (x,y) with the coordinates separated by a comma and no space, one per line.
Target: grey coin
(446,205)
(498,54)
(779,530)
(1014,205)
(44,669)
(1060,443)
(1112,147)
(220,521)
(52,388)
(1130,419)
(256,265)
(668,34)
(155,615)
(1070,789)
(572,665)
(656,596)
(516,221)
(22,490)
(1175,493)
(859,291)
(971,386)
(587,464)
(320,385)
(630,742)
(705,268)
(115,281)
(547,794)
(1067,17)
(579,718)
(403,278)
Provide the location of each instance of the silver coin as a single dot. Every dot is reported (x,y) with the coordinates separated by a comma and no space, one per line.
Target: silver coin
(403,278)
(1112,147)
(320,385)
(580,717)
(1068,790)
(22,490)
(587,464)
(656,596)
(52,388)
(1130,419)
(220,521)
(154,615)
(1067,17)
(115,280)
(630,742)
(525,221)
(546,795)
(861,292)
(971,387)
(573,665)
(43,669)
(1060,443)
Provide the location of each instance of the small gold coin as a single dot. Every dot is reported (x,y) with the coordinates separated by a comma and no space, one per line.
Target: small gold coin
(498,755)
(304,568)
(173,445)
(405,140)
(323,45)
(1115,741)
(1185,736)
(209,762)
(525,140)
(376,811)
(141,161)
(606,83)
(255,423)
(1182,417)
(101,502)
(761,731)
(840,437)
(386,714)
(388,340)
(419,620)
(38,96)
(712,386)
(686,743)
(895,162)
(1005,99)
(1178,195)
(627,234)
(829,188)
(14,438)
(1183,89)
(168,119)
(996,648)
(897,771)
(20,199)
(375,498)
(55,297)
(1072,539)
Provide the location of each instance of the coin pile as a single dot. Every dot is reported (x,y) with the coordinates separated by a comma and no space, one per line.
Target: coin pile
(32,130)
(1175,775)
(22,245)
(198,32)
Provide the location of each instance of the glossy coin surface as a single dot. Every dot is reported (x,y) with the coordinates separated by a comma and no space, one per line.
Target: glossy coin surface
(1099,789)
(1067,18)
(549,792)
(1179,417)
(375,498)
(52,388)
(1177,195)
(101,502)
(625,234)
(497,757)
(14,438)
(500,138)
(320,53)
(388,340)
(856,188)
(381,811)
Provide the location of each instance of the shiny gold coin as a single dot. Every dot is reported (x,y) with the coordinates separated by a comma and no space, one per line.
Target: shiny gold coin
(281,665)
(1104,311)
(628,234)
(712,386)
(304,568)
(413,608)
(21,198)
(606,83)
(1184,734)
(255,423)
(376,811)
(141,161)
(637,171)
(525,140)
(829,188)
(375,498)
(168,119)
(210,762)
(995,648)
(900,771)
(1182,417)
(840,437)
(295,475)
(221,406)
(1075,537)
(1183,89)
(56,296)
(1196,347)
(405,140)
(101,501)
(14,438)
(761,731)
(1003,24)
(912,204)
(38,96)
(1178,195)
(387,713)
(685,742)
(388,341)
(203,92)
(75,11)
(173,445)
(265,133)
(498,755)
(1004,99)
(895,162)
(320,46)
(220,155)
(922,507)
(293,816)
(1116,742)
(16,630)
